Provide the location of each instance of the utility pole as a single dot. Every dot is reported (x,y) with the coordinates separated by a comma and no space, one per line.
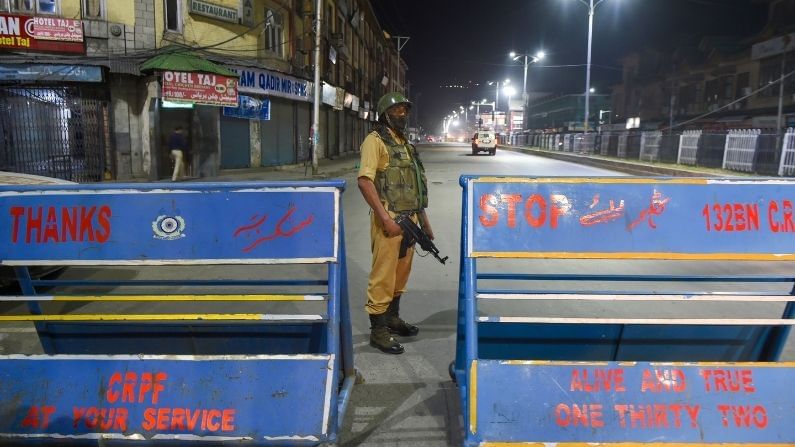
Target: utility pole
(588,68)
(315,137)
(401,42)
(780,120)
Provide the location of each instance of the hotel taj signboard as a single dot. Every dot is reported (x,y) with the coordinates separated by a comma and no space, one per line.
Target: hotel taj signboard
(214,11)
(53,34)
(199,88)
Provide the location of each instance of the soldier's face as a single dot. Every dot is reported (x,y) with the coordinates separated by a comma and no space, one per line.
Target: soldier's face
(398,116)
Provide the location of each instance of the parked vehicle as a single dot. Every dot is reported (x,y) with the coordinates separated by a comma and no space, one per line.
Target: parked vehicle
(484,141)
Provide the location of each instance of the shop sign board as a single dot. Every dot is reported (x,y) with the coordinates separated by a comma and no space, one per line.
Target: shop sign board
(55,28)
(50,72)
(52,34)
(773,47)
(199,88)
(250,108)
(329,94)
(264,82)
(214,11)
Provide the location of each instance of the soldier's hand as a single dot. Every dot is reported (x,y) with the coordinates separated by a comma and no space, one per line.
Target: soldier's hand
(391,228)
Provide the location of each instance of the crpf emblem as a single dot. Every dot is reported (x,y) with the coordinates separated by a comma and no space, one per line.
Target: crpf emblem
(168,227)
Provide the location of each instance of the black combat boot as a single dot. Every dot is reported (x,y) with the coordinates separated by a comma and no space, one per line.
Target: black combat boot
(396,324)
(381,338)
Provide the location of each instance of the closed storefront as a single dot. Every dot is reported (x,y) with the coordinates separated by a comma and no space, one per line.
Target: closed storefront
(333,133)
(303,124)
(278,134)
(55,129)
(235,143)
(284,137)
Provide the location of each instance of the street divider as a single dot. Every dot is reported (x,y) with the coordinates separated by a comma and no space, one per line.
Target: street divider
(636,362)
(214,312)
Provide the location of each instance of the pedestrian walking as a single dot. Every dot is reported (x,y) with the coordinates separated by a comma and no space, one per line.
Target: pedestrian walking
(178,146)
(392,181)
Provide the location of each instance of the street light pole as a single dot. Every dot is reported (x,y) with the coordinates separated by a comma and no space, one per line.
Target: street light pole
(533,59)
(588,66)
(315,137)
(591,8)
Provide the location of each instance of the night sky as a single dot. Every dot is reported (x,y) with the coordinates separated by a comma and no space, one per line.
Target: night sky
(466,42)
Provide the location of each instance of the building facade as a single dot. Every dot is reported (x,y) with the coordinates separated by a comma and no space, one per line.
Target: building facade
(720,83)
(91,89)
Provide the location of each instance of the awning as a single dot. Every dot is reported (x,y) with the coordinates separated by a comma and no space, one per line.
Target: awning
(183,60)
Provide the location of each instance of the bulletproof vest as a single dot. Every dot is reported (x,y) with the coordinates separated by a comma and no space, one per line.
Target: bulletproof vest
(402,184)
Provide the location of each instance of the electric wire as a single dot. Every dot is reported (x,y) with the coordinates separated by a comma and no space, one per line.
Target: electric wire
(724,107)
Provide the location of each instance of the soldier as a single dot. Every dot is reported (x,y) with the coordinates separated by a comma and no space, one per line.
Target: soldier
(392,181)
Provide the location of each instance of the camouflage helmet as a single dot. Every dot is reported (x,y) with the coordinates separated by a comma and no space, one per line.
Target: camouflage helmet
(391,99)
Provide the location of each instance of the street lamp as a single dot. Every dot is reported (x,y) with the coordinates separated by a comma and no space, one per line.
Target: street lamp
(509,92)
(528,59)
(591,7)
(497,99)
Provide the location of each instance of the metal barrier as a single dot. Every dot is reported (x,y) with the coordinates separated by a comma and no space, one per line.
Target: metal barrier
(620,379)
(787,165)
(263,361)
(688,147)
(740,149)
(650,146)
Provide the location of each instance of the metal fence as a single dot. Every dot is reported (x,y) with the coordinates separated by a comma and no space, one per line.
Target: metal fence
(688,147)
(758,151)
(54,132)
(787,166)
(740,149)
(650,145)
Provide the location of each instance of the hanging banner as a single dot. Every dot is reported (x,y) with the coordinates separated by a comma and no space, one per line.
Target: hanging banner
(250,108)
(199,88)
(329,94)
(41,34)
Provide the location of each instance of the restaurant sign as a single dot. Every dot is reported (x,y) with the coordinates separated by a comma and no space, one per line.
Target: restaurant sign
(199,88)
(41,34)
(217,12)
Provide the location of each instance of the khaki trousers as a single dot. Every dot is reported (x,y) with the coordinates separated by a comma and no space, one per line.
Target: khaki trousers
(179,166)
(388,275)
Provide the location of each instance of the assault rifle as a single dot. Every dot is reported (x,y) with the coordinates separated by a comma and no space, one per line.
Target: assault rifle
(413,234)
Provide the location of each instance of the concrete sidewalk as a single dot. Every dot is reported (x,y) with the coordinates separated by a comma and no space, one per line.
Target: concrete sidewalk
(327,168)
(349,163)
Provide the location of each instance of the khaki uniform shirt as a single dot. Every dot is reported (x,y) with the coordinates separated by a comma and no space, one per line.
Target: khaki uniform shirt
(374,155)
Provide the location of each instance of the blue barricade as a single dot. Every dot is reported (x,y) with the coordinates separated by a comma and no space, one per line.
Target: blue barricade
(261,358)
(617,378)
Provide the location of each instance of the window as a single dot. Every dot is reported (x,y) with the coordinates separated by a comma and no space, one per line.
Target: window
(173,16)
(743,85)
(274,32)
(94,8)
(770,72)
(30,6)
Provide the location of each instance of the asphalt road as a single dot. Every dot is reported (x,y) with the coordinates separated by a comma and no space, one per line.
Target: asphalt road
(409,400)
